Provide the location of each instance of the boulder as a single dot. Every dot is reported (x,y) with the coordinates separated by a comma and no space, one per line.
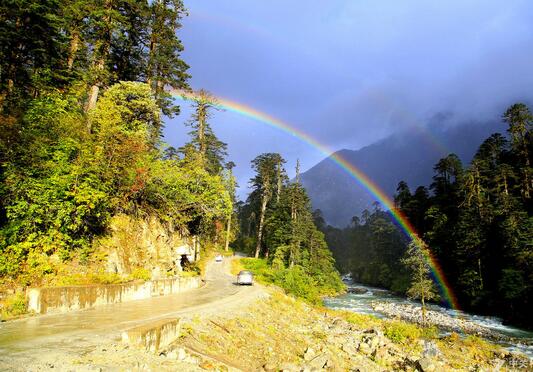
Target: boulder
(289,367)
(309,354)
(425,365)
(365,348)
(357,290)
(349,349)
(319,362)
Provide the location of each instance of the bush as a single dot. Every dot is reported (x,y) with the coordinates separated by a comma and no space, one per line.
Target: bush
(294,281)
(360,320)
(402,332)
(14,306)
(141,274)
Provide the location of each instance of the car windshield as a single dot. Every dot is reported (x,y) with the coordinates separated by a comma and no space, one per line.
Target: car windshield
(245,273)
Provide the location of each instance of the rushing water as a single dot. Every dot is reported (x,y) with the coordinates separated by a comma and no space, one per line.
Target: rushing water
(362,303)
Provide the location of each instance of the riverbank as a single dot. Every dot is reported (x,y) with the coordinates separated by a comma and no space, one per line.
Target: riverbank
(413,314)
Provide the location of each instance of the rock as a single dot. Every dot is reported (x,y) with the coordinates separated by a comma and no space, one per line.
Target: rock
(425,365)
(270,367)
(319,362)
(365,348)
(172,354)
(191,360)
(309,354)
(357,290)
(182,354)
(349,349)
(289,367)
(430,350)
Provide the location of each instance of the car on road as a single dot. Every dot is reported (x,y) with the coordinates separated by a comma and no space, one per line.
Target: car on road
(218,258)
(245,278)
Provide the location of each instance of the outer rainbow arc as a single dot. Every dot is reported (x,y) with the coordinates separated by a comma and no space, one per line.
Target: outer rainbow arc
(355,173)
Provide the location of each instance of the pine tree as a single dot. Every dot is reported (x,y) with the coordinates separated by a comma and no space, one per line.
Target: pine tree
(165,67)
(263,184)
(209,151)
(422,286)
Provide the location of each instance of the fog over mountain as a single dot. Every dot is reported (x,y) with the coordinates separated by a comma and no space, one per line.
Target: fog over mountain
(408,156)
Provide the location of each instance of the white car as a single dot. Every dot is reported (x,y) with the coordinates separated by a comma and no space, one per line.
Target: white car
(245,277)
(218,258)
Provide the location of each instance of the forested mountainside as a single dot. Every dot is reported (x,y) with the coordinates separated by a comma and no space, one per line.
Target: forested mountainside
(405,156)
(476,220)
(82,101)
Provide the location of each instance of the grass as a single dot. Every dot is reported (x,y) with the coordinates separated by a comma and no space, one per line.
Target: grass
(362,321)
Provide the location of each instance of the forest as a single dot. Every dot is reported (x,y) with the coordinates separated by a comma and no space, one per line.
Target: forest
(276,224)
(476,220)
(83,96)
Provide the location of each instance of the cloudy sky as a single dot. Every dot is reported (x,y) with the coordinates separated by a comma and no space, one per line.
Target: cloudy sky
(350,72)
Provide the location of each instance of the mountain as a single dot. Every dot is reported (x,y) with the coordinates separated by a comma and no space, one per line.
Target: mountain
(408,156)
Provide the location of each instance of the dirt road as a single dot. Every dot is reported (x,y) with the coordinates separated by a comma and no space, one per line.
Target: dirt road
(31,340)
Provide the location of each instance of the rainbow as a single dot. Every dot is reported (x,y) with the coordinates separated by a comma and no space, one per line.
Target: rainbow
(355,173)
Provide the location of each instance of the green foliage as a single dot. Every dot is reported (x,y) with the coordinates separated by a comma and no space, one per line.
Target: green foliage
(141,273)
(66,184)
(297,256)
(406,333)
(364,321)
(13,306)
(402,332)
(295,280)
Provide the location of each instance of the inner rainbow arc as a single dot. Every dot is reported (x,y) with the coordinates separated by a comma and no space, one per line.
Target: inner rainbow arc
(350,169)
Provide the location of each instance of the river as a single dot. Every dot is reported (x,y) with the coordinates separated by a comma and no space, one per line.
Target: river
(362,301)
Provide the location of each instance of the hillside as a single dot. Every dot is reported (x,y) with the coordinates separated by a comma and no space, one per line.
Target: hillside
(408,156)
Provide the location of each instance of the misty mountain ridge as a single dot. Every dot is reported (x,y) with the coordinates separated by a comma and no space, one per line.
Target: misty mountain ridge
(408,156)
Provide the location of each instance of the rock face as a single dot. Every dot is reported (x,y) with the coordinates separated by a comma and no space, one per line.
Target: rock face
(146,243)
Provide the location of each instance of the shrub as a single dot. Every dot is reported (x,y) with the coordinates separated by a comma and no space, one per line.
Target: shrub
(14,306)
(401,332)
(141,273)
(360,320)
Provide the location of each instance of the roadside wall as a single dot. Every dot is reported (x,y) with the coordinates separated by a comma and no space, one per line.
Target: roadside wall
(70,298)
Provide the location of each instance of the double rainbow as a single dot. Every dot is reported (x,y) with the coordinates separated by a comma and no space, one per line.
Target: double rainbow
(355,173)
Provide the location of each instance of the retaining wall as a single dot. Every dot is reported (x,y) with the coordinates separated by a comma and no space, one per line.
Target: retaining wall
(154,336)
(70,298)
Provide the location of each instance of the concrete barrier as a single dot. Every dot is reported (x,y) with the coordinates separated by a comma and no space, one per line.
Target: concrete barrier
(154,336)
(70,298)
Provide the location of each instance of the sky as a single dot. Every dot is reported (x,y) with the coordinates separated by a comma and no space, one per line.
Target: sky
(351,72)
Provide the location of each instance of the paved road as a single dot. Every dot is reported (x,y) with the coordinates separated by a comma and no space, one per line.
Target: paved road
(77,332)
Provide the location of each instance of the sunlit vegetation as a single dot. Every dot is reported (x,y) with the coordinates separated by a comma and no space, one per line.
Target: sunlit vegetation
(277,225)
(82,101)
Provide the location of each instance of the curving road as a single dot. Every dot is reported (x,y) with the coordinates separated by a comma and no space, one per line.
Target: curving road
(27,340)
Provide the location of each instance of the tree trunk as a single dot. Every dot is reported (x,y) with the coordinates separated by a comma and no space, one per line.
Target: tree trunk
(99,66)
(423,311)
(228,230)
(74,46)
(201,131)
(278,191)
(261,222)
(479,270)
